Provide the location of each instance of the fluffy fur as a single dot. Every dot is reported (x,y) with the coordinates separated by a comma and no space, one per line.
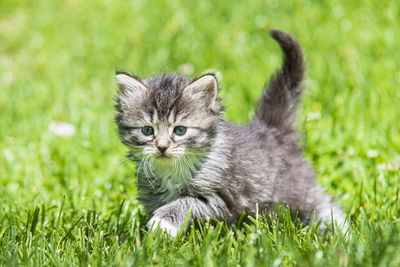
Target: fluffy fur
(217,169)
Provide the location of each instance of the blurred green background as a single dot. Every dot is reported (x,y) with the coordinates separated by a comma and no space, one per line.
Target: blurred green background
(57,64)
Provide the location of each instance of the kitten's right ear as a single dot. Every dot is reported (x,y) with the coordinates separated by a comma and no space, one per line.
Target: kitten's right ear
(205,90)
(129,85)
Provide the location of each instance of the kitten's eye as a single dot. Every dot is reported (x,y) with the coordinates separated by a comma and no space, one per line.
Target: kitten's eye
(180,130)
(147,130)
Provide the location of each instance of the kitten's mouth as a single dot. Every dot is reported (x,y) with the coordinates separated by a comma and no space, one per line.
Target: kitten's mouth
(163,156)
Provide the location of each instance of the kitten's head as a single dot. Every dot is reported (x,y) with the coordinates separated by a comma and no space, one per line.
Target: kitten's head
(167,117)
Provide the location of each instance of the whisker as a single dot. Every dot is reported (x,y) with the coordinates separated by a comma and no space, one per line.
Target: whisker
(141,147)
(185,165)
(151,166)
(132,156)
(197,154)
(143,164)
(138,169)
(146,165)
(175,167)
(181,169)
(135,156)
(189,164)
(126,160)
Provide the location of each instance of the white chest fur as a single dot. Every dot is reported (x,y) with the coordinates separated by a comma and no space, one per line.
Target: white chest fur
(170,175)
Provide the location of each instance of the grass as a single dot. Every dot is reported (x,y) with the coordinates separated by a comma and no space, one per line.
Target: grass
(72,200)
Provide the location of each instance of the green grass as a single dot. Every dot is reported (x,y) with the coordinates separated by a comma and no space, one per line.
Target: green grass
(72,200)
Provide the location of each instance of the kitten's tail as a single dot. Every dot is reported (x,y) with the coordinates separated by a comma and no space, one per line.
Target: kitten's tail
(277,107)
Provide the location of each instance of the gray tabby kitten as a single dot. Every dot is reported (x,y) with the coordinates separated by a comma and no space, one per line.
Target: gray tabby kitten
(189,159)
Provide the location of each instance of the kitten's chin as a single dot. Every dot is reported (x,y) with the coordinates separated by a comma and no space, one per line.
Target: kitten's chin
(163,157)
(163,166)
(163,160)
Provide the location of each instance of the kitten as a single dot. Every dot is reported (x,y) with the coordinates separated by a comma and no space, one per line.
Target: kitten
(191,161)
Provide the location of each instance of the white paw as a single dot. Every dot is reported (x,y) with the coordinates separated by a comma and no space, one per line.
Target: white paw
(333,214)
(154,223)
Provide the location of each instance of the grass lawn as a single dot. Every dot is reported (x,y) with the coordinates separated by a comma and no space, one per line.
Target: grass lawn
(71,200)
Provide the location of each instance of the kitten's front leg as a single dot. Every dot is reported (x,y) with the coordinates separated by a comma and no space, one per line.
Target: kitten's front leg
(172,216)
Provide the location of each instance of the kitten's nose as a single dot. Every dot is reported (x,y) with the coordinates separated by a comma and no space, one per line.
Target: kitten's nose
(162,148)
(162,144)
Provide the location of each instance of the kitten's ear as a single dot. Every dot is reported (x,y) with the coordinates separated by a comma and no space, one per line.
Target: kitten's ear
(129,85)
(205,89)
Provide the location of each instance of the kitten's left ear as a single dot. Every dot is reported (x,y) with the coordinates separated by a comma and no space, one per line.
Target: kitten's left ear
(204,89)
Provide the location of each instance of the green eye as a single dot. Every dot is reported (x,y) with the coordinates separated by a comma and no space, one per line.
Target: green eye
(180,130)
(147,130)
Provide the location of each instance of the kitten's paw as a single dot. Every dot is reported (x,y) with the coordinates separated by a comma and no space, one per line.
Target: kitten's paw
(332,214)
(164,225)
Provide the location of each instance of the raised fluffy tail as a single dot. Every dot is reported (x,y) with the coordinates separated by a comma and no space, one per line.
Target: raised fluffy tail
(277,107)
